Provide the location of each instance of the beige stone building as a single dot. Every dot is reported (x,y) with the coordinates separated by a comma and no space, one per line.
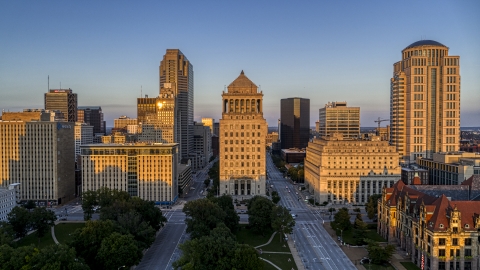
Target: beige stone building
(438,226)
(450,168)
(40,155)
(342,170)
(425,101)
(148,171)
(337,117)
(243,131)
(208,122)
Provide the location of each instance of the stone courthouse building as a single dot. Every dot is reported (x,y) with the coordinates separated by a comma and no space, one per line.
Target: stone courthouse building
(438,226)
(242,135)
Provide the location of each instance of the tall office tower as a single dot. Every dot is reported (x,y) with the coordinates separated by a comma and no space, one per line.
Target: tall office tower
(39,155)
(243,131)
(336,117)
(148,171)
(425,101)
(83,135)
(63,100)
(177,70)
(208,122)
(93,116)
(216,128)
(295,122)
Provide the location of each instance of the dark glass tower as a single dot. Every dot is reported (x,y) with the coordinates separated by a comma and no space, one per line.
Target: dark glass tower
(93,116)
(63,100)
(294,122)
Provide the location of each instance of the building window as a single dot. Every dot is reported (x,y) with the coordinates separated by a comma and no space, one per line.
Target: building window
(455,241)
(468,252)
(441,241)
(441,252)
(468,241)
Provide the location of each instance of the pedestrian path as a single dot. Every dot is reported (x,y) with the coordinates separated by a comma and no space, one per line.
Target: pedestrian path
(53,235)
(269,241)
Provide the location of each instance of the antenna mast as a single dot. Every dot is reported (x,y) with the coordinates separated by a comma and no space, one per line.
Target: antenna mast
(48,84)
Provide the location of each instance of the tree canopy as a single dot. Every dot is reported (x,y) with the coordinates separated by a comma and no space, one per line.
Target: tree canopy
(259,214)
(202,216)
(372,205)
(379,254)
(41,220)
(19,218)
(281,220)
(342,220)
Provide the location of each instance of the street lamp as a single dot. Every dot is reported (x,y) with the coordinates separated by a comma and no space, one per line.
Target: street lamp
(121,267)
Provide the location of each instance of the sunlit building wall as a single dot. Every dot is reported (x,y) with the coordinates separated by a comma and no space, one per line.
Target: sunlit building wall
(425,101)
(243,132)
(148,171)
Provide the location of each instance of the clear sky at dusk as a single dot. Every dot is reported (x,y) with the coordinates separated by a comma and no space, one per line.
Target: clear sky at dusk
(322,50)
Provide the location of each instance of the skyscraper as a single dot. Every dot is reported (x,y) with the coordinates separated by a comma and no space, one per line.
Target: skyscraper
(243,131)
(425,101)
(93,116)
(295,122)
(336,117)
(178,71)
(63,100)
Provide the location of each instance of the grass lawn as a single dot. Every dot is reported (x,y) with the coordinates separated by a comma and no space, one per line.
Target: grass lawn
(410,266)
(63,231)
(371,234)
(280,260)
(32,239)
(245,236)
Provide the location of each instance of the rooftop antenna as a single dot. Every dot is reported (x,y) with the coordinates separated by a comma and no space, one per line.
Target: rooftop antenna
(48,84)
(141,91)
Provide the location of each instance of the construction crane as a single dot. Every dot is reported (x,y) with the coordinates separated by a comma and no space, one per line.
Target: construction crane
(379,121)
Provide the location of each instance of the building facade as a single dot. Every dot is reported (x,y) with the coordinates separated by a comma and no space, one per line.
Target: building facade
(438,227)
(450,168)
(243,131)
(83,135)
(63,100)
(336,117)
(175,69)
(93,116)
(202,146)
(208,122)
(425,101)
(295,122)
(123,121)
(8,200)
(342,170)
(147,171)
(41,157)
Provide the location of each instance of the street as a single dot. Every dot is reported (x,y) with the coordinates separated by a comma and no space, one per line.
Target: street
(316,248)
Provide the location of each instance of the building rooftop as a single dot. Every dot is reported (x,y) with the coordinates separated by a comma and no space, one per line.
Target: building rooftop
(242,84)
(425,43)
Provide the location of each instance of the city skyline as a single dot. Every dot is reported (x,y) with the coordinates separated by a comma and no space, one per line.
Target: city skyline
(327,52)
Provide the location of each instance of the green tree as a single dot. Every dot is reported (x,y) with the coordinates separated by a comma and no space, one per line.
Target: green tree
(372,205)
(57,257)
(202,216)
(206,182)
(231,217)
(87,240)
(379,254)
(149,213)
(360,230)
(275,197)
(89,200)
(281,220)
(7,234)
(118,250)
(342,220)
(214,174)
(42,220)
(132,223)
(19,219)
(17,258)
(246,258)
(220,245)
(106,197)
(259,214)
(293,173)
(30,205)
(301,174)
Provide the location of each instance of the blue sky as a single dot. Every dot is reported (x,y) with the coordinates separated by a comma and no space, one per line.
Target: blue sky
(322,50)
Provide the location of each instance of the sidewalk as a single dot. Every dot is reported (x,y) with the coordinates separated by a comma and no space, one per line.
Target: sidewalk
(296,257)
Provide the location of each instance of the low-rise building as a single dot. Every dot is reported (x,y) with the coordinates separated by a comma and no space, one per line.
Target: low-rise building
(438,226)
(293,155)
(344,170)
(450,168)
